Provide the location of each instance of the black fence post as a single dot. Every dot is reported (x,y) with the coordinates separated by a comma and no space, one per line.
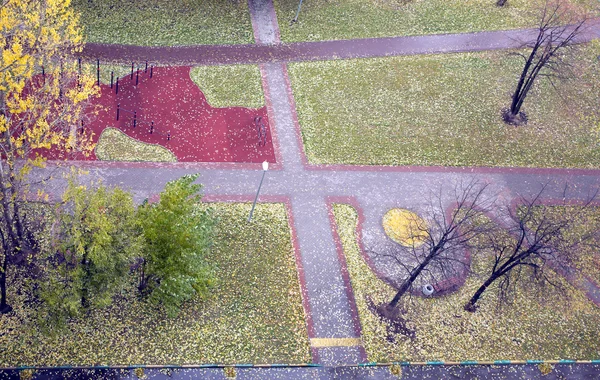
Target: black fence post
(112,74)
(98,71)
(118,109)
(151,127)
(137,76)
(131,78)
(117,86)
(146,68)
(134,118)
(151,67)
(169,136)
(43,73)
(79,76)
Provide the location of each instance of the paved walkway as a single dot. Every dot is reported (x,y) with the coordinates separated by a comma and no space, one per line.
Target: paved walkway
(331,318)
(269,49)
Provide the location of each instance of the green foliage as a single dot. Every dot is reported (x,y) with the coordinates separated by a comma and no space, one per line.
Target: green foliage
(94,239)
(178,236)
(253,314)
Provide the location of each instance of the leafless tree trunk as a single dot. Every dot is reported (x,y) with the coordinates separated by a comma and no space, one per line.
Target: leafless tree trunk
(446,238)
(531,243)
(557,31)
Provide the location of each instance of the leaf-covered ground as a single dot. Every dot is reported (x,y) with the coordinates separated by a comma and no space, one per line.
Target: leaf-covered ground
(253,314)
(115,145)
(345,19)
(536,326)
(586,222)
(440,110)
(165,23)
(229,86)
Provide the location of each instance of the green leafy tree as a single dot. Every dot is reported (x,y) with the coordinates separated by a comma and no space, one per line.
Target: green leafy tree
(94,241)
(178,235)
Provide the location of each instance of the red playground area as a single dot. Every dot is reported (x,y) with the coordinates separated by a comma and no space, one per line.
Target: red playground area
(171,111)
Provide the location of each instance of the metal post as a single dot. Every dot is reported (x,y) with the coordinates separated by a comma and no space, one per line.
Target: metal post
(112,75)
(295,19)
(168,136)
(146,68)
(134,118)
(98,71)
(117,86)
(151,67)
(151,127)
(131,71)
(137,76)
(118,109)
(265,167)
(256,198)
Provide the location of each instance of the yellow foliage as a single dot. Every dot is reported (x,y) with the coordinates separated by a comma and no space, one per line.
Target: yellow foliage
(405,227)
(41,111)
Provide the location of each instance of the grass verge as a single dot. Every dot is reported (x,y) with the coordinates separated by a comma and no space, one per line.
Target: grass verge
(115,145)
(535,326)
(229,86)
(165,23)
(346,19)
(440,110)
(253,315)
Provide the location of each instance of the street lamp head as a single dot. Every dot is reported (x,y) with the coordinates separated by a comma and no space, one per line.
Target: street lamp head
(265,166)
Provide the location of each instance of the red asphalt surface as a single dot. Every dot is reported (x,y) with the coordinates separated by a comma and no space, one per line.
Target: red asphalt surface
(198,131)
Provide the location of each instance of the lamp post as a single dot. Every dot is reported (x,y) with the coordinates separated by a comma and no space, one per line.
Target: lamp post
(265,166)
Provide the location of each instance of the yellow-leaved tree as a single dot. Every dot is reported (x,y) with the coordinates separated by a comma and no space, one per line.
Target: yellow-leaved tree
(42,102)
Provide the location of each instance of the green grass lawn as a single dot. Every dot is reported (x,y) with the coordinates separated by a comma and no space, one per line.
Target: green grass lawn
(536,326)
(165,23)
(345,19)
(440,110)
(115,145)
(253,314)
(228,86)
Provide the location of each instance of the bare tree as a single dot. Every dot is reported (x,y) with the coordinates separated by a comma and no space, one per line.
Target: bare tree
(558,30)
(444,241)
(534,241)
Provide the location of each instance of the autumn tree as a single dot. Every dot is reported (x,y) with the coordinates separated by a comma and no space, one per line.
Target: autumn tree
(41,103)
(531,241)
(434,248)
(95,239)
(177,238)
(558,29)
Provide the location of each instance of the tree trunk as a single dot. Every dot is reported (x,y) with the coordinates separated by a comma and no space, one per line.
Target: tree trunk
(4,306)
(85,302)
(408,282)
(470,306)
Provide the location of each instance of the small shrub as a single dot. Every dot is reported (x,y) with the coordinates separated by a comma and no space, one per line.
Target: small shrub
(139,373)
(229,372)
(545,368)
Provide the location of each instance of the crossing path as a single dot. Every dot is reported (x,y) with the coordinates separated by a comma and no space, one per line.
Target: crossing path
(332,322)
